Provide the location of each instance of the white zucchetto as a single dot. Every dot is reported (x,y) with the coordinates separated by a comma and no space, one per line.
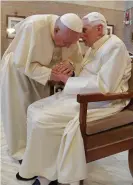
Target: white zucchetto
(72,21)
(95,16)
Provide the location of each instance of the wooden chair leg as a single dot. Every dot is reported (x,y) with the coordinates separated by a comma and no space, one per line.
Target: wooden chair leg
(81,182)
(130,160)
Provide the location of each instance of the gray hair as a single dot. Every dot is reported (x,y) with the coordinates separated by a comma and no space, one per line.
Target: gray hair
(96,18)
(95,23)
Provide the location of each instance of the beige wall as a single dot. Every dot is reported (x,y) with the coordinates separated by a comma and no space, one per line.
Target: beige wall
(115,5)
(128,4)
(27,8)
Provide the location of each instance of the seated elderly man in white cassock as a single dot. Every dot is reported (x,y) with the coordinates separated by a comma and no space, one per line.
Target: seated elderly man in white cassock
(55,147)
(41,42)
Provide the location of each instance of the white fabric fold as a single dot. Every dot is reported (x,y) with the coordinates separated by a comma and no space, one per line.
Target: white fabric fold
(71,145)
(81,85)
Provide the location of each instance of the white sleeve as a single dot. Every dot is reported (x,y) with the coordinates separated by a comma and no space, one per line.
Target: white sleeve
(81,85)
(38,72)
(108,77)
(33,50)
(41,54)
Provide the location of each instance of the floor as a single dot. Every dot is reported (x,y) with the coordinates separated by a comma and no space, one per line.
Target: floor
(109,171)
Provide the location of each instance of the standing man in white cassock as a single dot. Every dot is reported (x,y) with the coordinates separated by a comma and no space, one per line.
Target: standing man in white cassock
(55,147)
(41,42)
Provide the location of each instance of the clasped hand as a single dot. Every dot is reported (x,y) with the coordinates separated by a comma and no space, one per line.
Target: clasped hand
(62,71)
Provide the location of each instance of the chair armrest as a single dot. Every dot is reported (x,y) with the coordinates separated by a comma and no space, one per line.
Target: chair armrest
(85,98)
(95,97)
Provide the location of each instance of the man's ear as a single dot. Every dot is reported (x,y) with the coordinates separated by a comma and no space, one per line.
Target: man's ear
(99,27)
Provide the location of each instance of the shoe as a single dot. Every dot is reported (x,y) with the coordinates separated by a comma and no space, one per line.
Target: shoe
(20,161)
(53,182)
(37,182)
(24,179)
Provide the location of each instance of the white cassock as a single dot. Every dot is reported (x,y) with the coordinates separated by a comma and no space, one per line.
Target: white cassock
(55,147)
(25,70)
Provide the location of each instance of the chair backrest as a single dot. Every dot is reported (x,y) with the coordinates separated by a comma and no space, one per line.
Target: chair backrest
(131,80)
(131,88)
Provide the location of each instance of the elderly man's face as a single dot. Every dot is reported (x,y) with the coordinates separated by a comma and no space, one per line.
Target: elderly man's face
(90,33)
(65,37)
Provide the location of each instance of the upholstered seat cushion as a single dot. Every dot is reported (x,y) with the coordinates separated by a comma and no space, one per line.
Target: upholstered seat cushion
(123,118)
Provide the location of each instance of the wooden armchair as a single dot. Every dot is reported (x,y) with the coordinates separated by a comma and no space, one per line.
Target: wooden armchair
(110,135)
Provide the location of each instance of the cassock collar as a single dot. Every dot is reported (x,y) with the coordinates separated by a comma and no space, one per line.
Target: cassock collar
(100,42)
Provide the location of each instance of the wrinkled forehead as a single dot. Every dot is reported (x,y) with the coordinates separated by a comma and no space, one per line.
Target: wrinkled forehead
(71,37)
(88,24)
(71,33)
